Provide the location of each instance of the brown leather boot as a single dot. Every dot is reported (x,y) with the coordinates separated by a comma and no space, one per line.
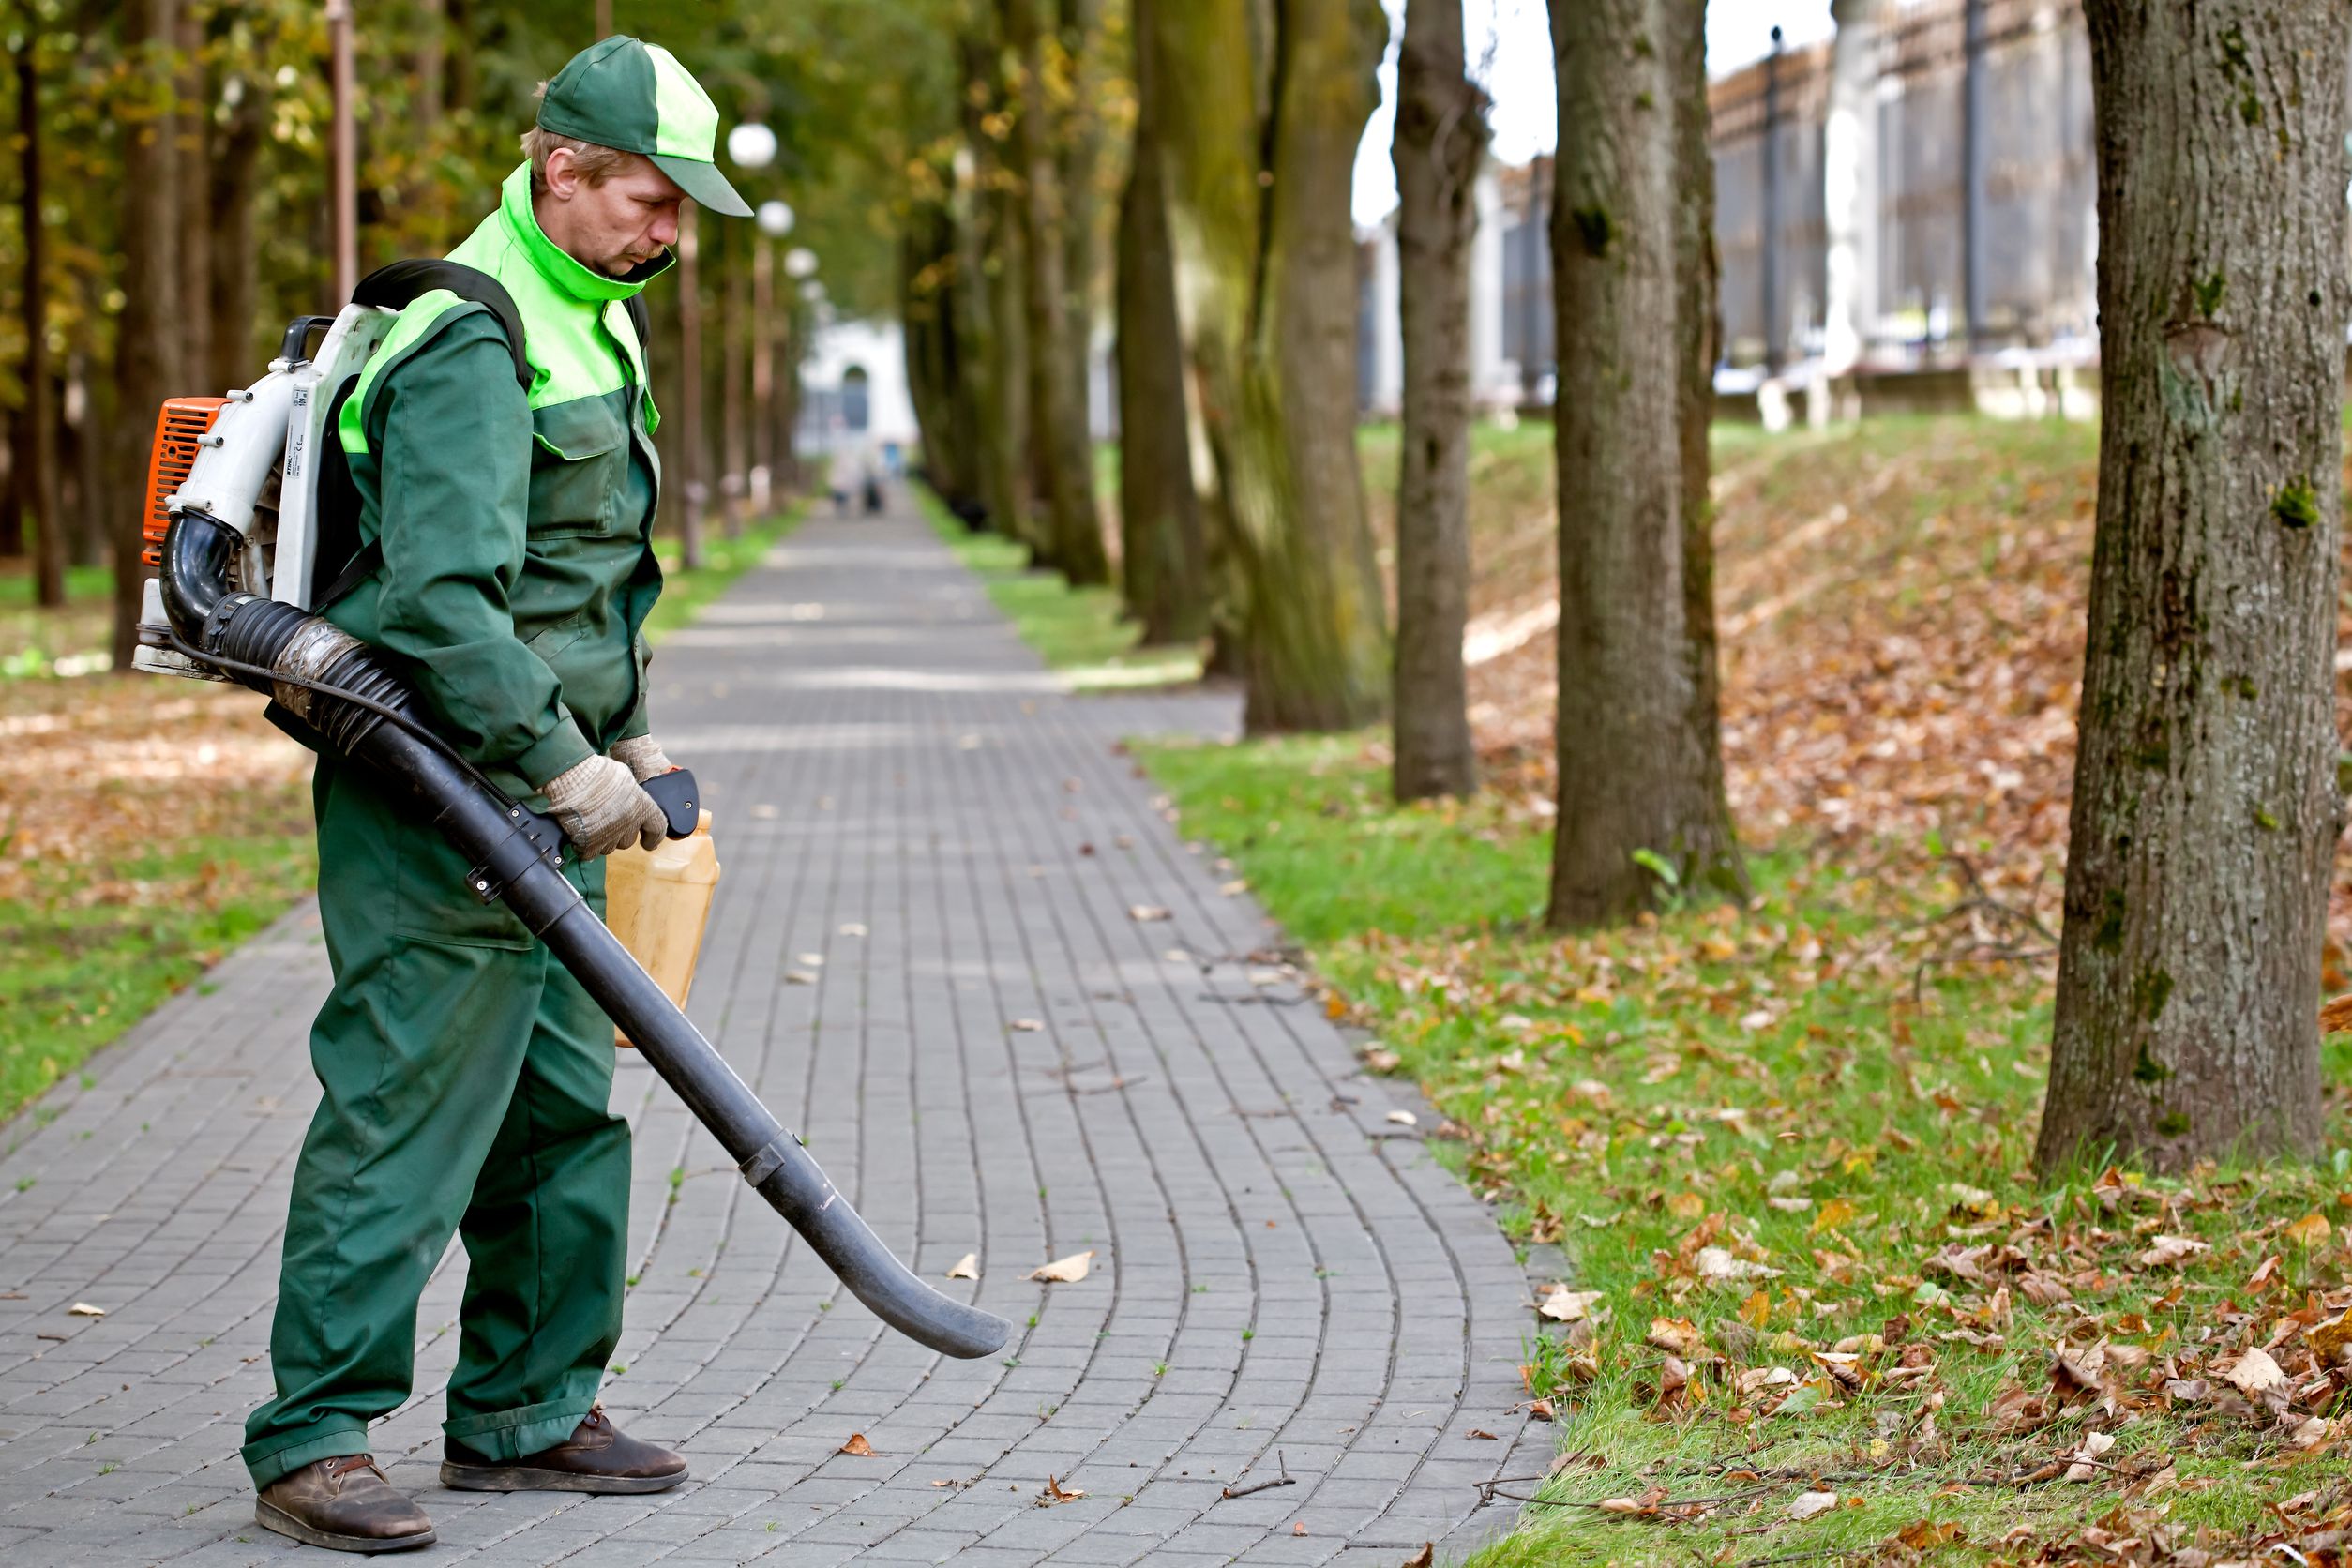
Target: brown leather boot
(344,1504)
(599,1457)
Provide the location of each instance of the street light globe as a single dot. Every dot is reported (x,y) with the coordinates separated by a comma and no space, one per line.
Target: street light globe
(775,219)
(800,261)
(751,145)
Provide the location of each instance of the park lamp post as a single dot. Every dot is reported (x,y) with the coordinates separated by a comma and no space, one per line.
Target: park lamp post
(751,147)
(776,221)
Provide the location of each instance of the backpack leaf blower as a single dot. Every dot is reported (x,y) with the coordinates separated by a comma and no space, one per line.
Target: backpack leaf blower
(239,523)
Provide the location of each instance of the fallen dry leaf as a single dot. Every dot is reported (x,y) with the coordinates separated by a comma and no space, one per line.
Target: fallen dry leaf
(2255,1372)
(2167,1250)
(1563,1305)
(1026,1026)
(2309,1231)
(1147,913)
(1298,1526)
(1540,1408)
(1718,1263)
(1056,1492)
(2335,1017)
(2081,1465)
(858,1446)
(967,1267)
(83,1309)
(800,977)
(1677,1336)
(1810,1503)
(1404,1118)
(1927,1534)
(1422,1558)
(1065,1270)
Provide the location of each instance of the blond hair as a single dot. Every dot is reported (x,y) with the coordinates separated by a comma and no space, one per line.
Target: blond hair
(597,164)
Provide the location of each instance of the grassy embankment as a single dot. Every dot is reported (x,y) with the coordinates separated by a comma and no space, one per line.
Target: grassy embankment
(1786,1147)
(1077,631)
(147,825)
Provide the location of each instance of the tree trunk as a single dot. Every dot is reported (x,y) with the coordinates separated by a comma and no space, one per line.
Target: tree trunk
(1641,802)
(34,464)
(1159,511)
(989,251)
(1698,325)
(1266,285)
(693,448)
(147,364)
(1081,144)
(194,258)
(235,255)
(2206,808)
(1063,452)
(929,285)
(735,374)
(1440,141)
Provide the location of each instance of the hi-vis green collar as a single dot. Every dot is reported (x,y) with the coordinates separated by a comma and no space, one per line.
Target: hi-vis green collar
(554,264)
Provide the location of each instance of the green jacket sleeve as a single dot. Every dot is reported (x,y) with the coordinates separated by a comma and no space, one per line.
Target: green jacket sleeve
(454,434)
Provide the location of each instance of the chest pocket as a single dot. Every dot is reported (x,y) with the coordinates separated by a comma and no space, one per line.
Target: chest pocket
(579,463)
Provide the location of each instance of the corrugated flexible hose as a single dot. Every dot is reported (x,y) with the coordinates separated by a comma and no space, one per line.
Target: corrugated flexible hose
(363,710)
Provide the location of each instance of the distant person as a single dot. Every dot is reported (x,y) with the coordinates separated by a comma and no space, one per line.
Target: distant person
(467,1075)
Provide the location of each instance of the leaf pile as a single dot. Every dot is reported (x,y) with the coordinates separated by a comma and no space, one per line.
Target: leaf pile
(146,825)
(1783,1152)
(1900,607)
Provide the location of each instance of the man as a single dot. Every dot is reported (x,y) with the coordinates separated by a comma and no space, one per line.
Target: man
(467,1073)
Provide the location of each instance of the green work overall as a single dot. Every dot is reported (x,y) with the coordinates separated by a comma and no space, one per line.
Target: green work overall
(467,1073)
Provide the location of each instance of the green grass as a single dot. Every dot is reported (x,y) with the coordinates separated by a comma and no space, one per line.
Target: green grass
(1079,632)
(97,941)
(33,641)
(80,972)
(1760,1080)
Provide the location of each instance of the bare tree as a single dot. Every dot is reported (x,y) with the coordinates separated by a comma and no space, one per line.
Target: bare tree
(1263,108)
(2205,808)
(1440,141)
(1161,561)
(1063,453)
(1641,792)
(147,362)
(34,465)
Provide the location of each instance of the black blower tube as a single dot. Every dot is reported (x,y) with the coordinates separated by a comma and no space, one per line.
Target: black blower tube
(240,629)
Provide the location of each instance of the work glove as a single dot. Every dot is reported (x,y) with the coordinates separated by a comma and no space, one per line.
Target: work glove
(601,807)
(643,755)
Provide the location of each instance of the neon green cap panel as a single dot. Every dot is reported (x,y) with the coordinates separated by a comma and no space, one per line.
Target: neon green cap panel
(687,120)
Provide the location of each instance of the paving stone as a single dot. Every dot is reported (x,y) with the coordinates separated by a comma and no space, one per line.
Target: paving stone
(902,790)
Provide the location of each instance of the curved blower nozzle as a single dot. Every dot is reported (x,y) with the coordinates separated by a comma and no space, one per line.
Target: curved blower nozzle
(360,707)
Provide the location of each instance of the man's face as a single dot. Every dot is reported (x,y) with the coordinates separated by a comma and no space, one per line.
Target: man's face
(622,223)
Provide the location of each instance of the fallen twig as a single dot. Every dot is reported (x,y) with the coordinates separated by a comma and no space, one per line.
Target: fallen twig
(1285,1479)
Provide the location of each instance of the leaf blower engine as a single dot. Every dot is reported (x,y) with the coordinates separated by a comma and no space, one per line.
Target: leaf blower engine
(235,527)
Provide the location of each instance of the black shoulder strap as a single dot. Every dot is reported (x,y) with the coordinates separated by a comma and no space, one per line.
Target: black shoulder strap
(392,287)
(641,319)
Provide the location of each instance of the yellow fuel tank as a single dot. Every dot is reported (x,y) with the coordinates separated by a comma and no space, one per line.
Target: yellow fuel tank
(658,901)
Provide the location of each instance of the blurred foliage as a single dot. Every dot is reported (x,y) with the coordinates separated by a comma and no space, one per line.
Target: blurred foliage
(853,91)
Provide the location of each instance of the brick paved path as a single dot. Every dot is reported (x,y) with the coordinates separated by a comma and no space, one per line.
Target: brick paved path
(923,959)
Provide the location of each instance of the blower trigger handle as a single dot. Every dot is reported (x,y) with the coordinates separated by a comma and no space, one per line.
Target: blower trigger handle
(680,801)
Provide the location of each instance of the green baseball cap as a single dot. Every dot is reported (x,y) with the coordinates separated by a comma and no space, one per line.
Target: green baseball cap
(625,93)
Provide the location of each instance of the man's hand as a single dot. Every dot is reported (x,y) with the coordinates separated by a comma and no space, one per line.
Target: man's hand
(602,807)
(644,757)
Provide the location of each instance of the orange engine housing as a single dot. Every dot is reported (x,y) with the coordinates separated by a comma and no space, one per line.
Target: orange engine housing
(179,428)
